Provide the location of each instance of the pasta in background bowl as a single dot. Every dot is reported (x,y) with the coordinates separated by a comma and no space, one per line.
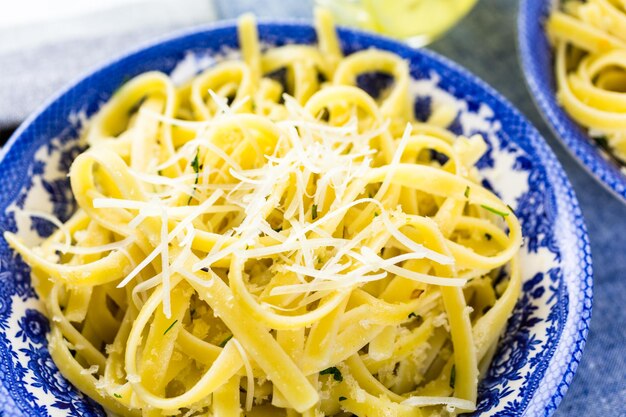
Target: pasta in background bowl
(597,149)
(543,340)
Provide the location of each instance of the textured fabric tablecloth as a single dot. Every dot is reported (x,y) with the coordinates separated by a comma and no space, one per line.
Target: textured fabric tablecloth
(485,43)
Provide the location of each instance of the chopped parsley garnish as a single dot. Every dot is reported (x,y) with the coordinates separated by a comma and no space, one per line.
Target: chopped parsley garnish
(494,211)
(225,341)
(117,395)
(314,211)
(375,214)
(170,328)
(195,164)
(160,172)
(488,236)
(336,373)
(342,398)
(467,192)
(452,376)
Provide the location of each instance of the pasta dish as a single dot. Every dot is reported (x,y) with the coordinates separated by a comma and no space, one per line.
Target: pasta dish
(270,239)
(590,44)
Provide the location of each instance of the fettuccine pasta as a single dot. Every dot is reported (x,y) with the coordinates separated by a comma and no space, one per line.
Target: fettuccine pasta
(590,58)
(268,239)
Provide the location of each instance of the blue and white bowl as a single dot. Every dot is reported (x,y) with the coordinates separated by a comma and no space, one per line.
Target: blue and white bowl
(536,56)
(536,357)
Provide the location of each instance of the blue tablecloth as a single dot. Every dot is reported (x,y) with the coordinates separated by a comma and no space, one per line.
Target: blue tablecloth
(485,43)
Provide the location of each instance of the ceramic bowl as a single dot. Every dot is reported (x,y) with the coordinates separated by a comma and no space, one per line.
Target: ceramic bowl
(537,355)
(537,59)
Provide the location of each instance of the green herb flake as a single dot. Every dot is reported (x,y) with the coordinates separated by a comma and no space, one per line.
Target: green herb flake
(314,211)
(195,163)
(375,214)
(336,373)
(495,211)
(170,328)
(160,172)
(117,395)
(412,315)
(223,344)
(342,398)
(452,376)
(467,191)
(488,236)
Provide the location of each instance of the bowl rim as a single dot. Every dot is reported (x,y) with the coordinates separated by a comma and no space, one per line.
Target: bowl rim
(555,176)
(571,135)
